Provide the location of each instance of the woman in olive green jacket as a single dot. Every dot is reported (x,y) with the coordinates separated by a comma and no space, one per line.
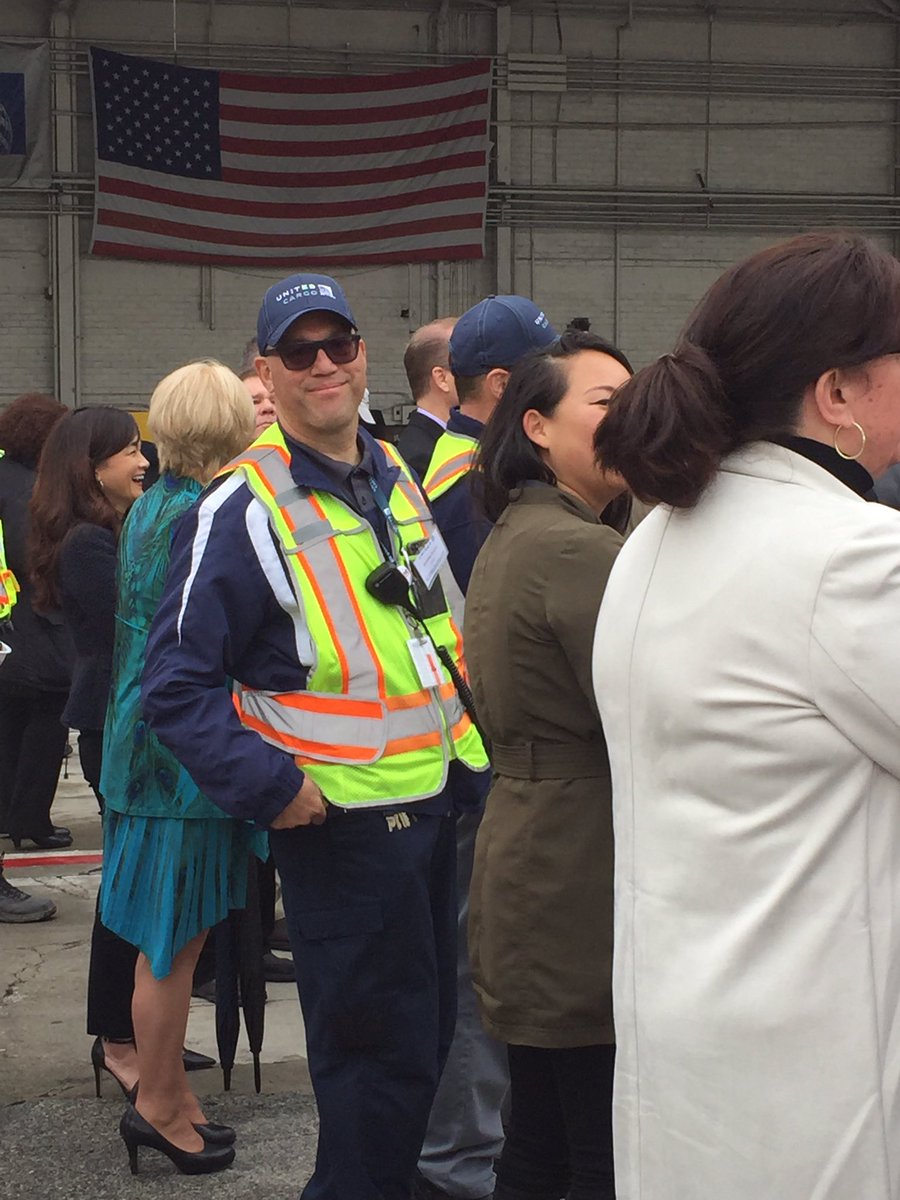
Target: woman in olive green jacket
(540,931)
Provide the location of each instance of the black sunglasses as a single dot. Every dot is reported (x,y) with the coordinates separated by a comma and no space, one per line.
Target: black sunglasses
(300,356)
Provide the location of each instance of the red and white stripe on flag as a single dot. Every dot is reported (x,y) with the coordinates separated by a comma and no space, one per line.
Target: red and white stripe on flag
(234,168)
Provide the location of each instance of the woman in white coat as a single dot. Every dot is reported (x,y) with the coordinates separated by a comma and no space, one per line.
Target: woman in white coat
(747,669)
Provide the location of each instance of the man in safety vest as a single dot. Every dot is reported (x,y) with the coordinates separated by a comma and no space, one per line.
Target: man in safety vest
(465,1131)
(487,341)
(310,577)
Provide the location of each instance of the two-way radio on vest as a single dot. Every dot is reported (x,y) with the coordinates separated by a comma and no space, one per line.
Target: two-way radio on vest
(388,584)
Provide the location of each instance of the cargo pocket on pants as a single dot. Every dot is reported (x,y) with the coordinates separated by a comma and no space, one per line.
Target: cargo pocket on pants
(346,947)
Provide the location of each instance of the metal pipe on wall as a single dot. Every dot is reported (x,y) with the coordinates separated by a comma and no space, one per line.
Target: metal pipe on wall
(503,102)
(583,74)
(65,260)
(617,180)
(441,40)
(812,12)
(895,180)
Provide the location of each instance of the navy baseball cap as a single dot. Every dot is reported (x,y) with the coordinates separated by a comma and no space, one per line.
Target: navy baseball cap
(284,302)
(497,332)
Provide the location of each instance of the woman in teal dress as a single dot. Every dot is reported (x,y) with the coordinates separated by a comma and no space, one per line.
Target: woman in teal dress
(174,863)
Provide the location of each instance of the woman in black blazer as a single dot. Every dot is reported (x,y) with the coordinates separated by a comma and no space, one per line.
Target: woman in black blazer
(91,472)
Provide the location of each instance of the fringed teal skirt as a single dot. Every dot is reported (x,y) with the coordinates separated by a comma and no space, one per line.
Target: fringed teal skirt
(166,879)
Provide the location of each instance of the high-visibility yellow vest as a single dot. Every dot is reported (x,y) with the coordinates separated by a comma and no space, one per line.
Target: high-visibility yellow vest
(9,585)
(451,459)
(365,729)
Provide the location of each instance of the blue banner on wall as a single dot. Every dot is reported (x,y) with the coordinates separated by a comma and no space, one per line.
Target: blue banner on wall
(12,112)
(25,143)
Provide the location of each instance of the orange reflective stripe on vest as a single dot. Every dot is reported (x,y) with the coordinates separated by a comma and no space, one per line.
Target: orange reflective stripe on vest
(366,730)
(451,459)
(9,585)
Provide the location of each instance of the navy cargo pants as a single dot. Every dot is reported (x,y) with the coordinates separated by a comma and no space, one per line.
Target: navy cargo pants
(370,901)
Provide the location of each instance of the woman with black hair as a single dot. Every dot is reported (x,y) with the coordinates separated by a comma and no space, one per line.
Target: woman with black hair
(747,664)
(91,472)
(540,926)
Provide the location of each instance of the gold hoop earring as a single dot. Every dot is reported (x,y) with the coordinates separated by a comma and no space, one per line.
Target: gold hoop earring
(862,444)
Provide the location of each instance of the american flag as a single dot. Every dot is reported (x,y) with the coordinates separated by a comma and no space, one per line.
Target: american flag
(202,166)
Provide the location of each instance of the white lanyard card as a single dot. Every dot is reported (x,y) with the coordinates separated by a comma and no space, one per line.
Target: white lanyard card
(425,660)
(430,559)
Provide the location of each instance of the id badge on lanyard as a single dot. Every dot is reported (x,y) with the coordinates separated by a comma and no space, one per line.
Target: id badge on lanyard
(425,660)
(430,558)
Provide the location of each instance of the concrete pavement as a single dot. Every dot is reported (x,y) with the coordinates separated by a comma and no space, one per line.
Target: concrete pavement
(57,1142)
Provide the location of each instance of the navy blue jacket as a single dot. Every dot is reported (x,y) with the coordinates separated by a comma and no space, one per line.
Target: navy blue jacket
(228,612)
(462,526)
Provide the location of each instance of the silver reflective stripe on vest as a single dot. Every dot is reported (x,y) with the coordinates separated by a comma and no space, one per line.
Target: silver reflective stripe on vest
(413,497)
(327,733)
(453,709)
(324,568)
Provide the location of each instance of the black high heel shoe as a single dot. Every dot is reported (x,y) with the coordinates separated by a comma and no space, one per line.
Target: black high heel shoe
(58,830)
(98,1062)
(135,1132)
(216,1135)
(53,841)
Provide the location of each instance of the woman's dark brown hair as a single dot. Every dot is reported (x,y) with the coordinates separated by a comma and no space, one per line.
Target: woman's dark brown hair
(25,424)
(66,492)
(765,331)
(507,458)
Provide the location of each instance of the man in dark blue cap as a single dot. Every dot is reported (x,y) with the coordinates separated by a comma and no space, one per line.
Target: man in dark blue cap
(486,342)
(344,734)
(465,1132)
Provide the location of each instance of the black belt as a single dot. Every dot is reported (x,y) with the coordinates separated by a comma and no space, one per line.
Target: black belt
(551,760)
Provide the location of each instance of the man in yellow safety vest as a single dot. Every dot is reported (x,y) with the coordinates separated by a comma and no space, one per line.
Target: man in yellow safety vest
(487,341)
(310,576)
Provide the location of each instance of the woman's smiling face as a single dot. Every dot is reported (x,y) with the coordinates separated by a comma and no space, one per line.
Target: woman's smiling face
(122,475)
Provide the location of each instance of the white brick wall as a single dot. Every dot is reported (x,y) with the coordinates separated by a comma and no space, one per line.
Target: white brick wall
(26,314)
(137,321)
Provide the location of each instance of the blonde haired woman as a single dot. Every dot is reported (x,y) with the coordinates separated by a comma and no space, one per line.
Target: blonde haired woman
(164,841)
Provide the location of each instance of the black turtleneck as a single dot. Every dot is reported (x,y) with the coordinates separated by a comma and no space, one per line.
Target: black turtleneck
(847,470)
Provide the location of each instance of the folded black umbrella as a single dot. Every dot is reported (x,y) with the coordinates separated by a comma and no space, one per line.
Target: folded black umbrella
(227,1014)
(240,984)
(251,980)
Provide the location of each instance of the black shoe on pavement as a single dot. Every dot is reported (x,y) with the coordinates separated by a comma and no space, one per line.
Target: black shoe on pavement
(205,991)
(278,939)
(424,1189)
(57,830)
(278,970)
(18,908)
(53,841)
(195,1061)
